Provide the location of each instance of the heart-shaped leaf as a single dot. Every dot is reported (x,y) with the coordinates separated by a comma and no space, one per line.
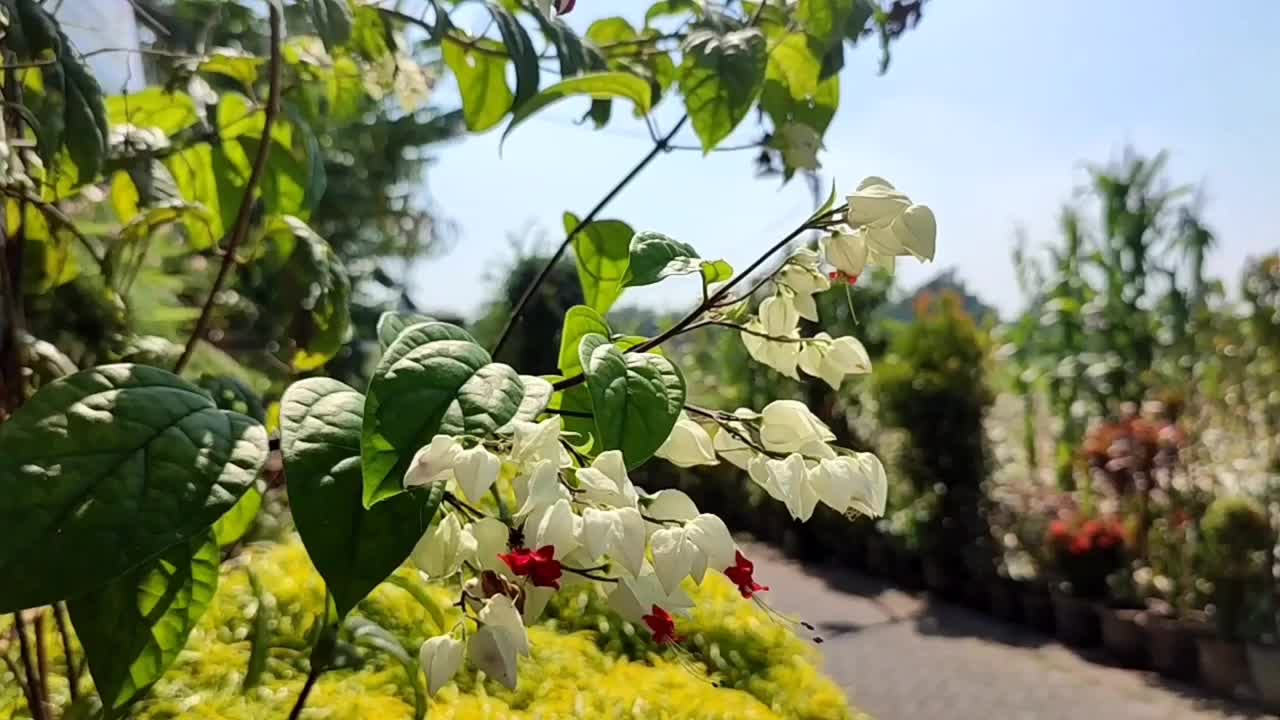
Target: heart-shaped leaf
(105,469)
(392,323)
(133,628)
(433,379)
(635,397)
(353,548)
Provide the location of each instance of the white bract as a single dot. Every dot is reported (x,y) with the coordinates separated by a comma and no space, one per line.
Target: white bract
(443,547)
(801,277)
(532,443)
(892,223)
(671,504)
(618,533)
(634,597)
(777,319)
(787,426)
(440,658)
(847,252)
(606,481)
(688,550)
(489,538)
(500,641)
(688,445)
(433,462)
(831,360)
(476,470)
(842,483)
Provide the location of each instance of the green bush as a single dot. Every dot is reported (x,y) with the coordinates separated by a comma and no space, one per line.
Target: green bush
(1237,541)
(587,662)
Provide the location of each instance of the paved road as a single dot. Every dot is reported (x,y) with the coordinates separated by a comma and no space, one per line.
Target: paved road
(901,657)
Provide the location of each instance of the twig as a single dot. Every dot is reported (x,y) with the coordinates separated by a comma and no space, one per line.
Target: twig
(312,676)
(17,675)
(51,211)
(459,40)
(29,667)
(42,654)
(27,65)
(241,227)
(73,677)
(659,147)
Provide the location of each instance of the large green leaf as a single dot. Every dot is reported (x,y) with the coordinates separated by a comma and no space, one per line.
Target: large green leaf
(133,628)
(232,527)
(602,252)
(720,78)
(579,322)
(825,20)
(105,469)
(392,323)
(520,50)
(315,288)
(599,86)
(333,21)
(655,257)
(635,397)
(354,549)
(434,379)
(169,111)
(482,81)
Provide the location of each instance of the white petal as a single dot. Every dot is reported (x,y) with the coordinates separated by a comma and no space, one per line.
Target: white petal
(805,305)
(732,447)
(671,505)
(535,601)
(440,658)
(598,531)
(539,489)
(672,556)
(688,445)
(917,231)
(556,526)
(847,252)
(709,533)
(606,481)
(813,353)
(439,552)
(778,316)
(490,650)
(490,539)
(876,205)
(787,426)
(500,612)
(533,442)
(628,546)
(834,480)
(794,487)
(870,495)
(476,471)
(432,462)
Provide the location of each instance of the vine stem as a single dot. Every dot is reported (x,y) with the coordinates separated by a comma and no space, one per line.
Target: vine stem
(312,676)
(241,227)
(662,145)
(73,677)
(34,699)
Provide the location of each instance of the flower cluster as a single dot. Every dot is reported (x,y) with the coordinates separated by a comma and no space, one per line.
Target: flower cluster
(528,511)
(1086,552)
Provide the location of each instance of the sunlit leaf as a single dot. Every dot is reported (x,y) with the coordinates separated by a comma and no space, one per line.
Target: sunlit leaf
(720,77)
(599,86)
(635,397)
(602,253)
(482,81)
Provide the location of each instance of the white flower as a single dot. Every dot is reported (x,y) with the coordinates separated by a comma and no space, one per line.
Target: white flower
(489,538)
(847,252)
(786,482)
(539,488)
(731,446)
(831,359)
(476,470)
(433,462)
(606,481)
(633,598)
(871,488)
(894,225)
(500,641)
(688,550)
(441,550)
(534,442)
(876,204)
(777,318)
(555,525)
(671,504)
(803,281)
(618,533)
(787,426)
(440,658)
(688,445)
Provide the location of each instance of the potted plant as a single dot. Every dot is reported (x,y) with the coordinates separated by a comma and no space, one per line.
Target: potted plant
(1237,541)
(1084,553)
(1122,636)
(1263,650)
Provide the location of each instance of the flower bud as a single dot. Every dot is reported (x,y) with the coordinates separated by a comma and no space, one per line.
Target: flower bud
(440,658)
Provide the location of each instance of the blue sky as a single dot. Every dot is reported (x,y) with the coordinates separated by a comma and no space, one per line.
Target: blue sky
(987,114)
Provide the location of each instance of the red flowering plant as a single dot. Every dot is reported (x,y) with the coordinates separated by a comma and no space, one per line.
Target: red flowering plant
(1086,551)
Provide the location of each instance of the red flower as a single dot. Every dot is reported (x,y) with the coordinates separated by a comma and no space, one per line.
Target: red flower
(663,627)
(837,276)
(740,574)
(541,566)
(1059,530)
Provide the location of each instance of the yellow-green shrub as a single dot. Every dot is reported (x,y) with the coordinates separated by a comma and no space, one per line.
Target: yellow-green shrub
(587,662)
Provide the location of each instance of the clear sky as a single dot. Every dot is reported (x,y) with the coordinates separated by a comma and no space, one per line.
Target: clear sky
(987,114)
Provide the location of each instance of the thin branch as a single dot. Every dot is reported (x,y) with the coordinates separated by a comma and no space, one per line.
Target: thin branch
(29,667)
(241,227)
(658,148)
(726,148)
(144,51)
(42,653)
(312,676)
(51,211)
(568,413)
(17,675)
(27,65)
(747,330)
(459,40)
(60,617)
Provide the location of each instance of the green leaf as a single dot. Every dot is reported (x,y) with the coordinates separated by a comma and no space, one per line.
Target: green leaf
(655,256)
(520,49)
(105,469)
(716,271)
(169,112)
(133,628)
(720,78)
(668,8)
(237,523)
(259,635)
(234,394)
(600,86)
(369,634)
(393,322)
(315,288)
(333,20)
(579,322)
(826,206)
(602,253)
(794,88)
(635,397)
(237,65)
(354,549)
(825,20)
(569,48)
(482,81)
(434,379)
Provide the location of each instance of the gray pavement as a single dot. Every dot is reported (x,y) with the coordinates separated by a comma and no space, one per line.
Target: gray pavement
(902,657)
